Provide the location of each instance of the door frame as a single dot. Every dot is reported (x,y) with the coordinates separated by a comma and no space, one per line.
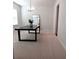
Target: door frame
(57,20)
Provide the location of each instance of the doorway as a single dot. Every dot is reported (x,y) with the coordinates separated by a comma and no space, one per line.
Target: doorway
(57,17)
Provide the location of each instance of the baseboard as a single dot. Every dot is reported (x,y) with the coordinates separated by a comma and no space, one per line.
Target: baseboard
(62,44)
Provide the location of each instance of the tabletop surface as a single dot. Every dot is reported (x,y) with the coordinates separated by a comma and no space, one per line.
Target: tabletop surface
(27,27)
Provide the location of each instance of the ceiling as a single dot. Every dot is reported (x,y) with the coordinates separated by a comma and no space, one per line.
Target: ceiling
(45,3)
(39,3)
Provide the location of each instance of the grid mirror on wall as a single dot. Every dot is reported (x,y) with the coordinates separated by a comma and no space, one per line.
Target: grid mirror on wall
(36,21)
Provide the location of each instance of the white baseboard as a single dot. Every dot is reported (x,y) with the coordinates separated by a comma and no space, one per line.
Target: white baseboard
(62,44)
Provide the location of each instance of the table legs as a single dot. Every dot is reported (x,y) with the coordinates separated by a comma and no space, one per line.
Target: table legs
(36,35)
(27,39)
(19,35)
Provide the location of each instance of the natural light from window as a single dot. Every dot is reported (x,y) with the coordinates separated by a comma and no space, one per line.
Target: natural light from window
(15,21)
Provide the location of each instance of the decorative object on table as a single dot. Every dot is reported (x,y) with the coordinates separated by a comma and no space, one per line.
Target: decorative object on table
(31,22)
(36,21)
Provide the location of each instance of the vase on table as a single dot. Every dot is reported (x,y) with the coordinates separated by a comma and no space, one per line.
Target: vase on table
(31,22)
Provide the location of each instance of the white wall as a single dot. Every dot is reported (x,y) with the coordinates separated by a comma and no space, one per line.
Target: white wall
(62,21)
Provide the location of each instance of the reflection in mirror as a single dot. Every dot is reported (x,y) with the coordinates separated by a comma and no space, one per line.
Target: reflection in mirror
(35,19)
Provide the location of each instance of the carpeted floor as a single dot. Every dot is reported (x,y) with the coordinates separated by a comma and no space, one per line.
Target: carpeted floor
(46,47)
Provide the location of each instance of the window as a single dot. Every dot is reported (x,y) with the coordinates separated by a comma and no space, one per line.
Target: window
(15,19)
(35,19)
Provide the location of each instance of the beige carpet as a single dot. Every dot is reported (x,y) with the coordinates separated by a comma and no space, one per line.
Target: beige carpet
(46,47)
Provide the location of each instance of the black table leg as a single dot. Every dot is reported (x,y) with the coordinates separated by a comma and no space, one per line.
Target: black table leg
(28,31)
(19,35)
(36,35)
